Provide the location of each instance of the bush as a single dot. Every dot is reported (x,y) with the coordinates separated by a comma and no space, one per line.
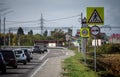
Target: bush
(109,48)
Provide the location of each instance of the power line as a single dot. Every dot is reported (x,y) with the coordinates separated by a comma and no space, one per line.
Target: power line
(32,21)
(62,18)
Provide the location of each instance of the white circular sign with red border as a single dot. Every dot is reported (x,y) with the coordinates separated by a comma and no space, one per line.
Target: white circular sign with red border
(95,30)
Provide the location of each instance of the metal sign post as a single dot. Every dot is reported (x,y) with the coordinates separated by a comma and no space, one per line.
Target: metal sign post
(95,54)
(85,33)
(95,30)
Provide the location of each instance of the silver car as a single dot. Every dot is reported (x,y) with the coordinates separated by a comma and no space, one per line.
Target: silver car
(21,57)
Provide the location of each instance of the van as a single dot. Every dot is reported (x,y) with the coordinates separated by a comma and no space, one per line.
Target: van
(10,58)
(2,64)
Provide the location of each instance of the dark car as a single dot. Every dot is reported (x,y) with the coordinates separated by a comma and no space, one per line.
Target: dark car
(27,53)
(2,64)
(45,48)
(10,58)
(36,49)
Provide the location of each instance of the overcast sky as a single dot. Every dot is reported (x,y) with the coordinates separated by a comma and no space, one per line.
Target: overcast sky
(30,10)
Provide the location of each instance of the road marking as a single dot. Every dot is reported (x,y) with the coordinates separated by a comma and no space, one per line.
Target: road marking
(35,72)
(43,55)
(38,69)
(63,51)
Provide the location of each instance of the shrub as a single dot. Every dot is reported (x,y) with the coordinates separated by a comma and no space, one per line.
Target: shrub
(109,48)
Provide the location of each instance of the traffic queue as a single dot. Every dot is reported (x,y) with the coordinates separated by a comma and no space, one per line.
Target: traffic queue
(11,57)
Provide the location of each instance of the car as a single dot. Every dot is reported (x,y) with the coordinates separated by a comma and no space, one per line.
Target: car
(36,49)
(27,53)
(45,48)
(21,57)
(10,58)
(31,53)
(2,64)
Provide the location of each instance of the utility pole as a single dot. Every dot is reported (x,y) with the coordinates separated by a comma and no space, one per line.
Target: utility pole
(84,40)
(4,31)
(41,24)
(9,37)
(0,32)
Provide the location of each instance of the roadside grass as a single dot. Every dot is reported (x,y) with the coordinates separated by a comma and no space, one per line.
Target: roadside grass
(74,67)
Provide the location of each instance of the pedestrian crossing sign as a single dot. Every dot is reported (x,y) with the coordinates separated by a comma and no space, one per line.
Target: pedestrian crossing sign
(95,15)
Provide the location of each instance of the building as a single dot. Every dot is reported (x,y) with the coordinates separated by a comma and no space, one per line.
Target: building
(49,43)
(114,39)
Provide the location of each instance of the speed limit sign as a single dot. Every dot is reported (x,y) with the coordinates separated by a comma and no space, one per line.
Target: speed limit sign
(95,30)
(85,32)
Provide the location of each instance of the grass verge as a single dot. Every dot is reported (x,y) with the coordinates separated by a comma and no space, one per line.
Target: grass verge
(74,67)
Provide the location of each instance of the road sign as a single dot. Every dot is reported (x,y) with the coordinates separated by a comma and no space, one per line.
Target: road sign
(95,30)
(85,32)
(95,15)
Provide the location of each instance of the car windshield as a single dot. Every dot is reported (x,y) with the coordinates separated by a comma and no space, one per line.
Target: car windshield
(18,51)
(8,54)
(36,46)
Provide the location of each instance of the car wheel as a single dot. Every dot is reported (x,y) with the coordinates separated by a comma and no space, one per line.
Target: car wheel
(4,70)
(15,66)
(24,62)
(28,60)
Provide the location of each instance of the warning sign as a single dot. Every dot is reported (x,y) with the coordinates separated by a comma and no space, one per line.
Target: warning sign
(95,15)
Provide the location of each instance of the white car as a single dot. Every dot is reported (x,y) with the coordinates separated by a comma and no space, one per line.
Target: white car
(21,57)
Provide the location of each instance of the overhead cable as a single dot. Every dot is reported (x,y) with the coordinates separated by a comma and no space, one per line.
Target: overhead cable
(63,18)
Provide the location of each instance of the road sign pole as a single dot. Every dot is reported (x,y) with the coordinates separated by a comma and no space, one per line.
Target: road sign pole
(79,47)
(85,41)
(95,54)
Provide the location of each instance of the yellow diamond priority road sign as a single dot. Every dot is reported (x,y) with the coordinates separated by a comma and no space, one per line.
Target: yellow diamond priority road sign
(95,15)
(85,32)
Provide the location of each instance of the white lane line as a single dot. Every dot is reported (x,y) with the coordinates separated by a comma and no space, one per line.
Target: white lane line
(35,72)
(38,69)
(64,52)
(43,56)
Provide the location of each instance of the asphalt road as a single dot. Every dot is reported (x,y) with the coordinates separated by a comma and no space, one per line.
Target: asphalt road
(30,68)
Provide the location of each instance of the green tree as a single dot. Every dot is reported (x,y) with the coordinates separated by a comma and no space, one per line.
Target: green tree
(45,33)
(58,34)
(20,31)
(14,40)
(30,32)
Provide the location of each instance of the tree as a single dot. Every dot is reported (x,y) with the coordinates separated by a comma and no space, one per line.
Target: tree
(58,34)
(14,40)
(45,33)
(30,32)
(20,31)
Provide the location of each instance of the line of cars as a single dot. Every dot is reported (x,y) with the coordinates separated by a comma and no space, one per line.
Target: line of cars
(9,57)
(13,57)
(39,49)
